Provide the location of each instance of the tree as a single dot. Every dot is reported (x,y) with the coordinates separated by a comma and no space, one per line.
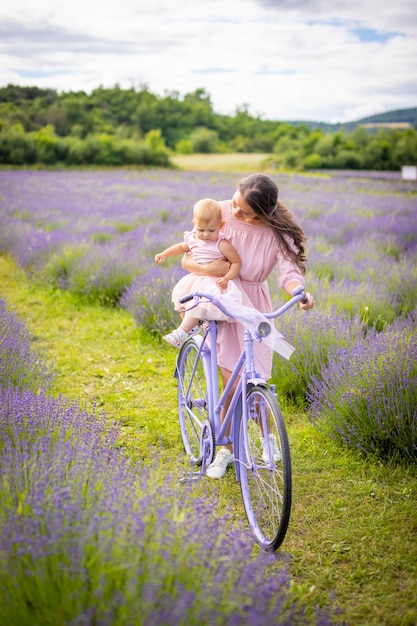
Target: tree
(46,143)
(405,150)
(204,140)
(16,146)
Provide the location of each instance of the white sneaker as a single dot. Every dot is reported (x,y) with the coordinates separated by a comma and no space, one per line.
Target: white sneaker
(176,338)
(218,468)
(273,449)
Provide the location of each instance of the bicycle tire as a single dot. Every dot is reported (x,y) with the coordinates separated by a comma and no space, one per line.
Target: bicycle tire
(266,482)
(193,400)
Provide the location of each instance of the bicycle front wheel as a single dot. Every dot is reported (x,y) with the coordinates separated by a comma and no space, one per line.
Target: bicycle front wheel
(193,403)
(265,468)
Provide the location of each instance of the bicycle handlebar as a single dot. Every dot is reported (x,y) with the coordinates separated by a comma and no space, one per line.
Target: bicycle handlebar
(298,295)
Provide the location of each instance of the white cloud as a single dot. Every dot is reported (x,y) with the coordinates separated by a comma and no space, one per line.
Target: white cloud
(286,59)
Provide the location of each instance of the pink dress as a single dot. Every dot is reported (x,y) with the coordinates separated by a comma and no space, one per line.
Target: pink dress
(203,252)
(260,253)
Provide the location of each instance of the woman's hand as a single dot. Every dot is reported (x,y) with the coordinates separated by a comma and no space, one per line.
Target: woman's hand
(309,304)
(216,268)
(289,288)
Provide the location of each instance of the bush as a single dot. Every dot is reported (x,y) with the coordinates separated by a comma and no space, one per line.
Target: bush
(43,146)
(156,145)
(102,274)
(292,160)
(204,139)
(21,365)
(347,159)
(61,265)
(315,334)
(76,153)
(185,146)
(312,162)
(149,299)
(16,146)
(366,395)
(46,145)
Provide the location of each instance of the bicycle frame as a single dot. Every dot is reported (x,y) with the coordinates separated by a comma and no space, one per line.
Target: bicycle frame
(226,430)
(242,377)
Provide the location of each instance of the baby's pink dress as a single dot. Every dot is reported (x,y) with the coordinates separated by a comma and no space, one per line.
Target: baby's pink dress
(203,252)
(260,253)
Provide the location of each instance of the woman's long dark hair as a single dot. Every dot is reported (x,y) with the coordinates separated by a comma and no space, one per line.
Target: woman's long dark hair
(261,193)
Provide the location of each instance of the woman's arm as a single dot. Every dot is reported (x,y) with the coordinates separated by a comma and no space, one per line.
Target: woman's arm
(290,277)
(220,267)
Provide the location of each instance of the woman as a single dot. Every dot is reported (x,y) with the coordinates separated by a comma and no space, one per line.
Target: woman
(265,235)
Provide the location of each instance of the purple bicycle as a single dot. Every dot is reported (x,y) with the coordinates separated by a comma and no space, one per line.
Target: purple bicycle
(253,421)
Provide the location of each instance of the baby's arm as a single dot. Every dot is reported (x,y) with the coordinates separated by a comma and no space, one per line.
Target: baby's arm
(233,257)
(175,250)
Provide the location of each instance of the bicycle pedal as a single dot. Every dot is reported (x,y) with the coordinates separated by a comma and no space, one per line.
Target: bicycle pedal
(190,477)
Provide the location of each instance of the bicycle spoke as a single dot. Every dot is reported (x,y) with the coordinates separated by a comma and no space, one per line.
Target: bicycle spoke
(269,500)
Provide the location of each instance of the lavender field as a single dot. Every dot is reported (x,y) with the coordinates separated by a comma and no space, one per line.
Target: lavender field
(355,367)
(90,537)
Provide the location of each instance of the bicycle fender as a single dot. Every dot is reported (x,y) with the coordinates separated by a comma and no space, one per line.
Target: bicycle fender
(257,382)
(196,339)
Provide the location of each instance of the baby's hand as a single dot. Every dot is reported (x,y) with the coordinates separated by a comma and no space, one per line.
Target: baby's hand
(159,258)
(222,283)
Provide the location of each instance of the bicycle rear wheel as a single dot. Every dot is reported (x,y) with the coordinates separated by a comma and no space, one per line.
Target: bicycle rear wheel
(265,469)
(193,403)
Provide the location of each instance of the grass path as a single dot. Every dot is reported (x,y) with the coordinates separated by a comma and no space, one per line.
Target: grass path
(354,523)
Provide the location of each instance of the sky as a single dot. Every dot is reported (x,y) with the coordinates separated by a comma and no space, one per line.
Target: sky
(319,60)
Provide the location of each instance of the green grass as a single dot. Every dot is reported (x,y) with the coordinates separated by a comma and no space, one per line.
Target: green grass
(235,162)
(354,521)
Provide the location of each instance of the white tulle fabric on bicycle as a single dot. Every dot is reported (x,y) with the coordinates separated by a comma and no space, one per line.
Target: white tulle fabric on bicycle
(205,310)
(243,312)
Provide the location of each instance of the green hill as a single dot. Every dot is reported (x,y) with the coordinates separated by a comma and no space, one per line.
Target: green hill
(399,116)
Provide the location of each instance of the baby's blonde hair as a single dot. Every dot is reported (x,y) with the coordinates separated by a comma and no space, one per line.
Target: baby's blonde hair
(206,210)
